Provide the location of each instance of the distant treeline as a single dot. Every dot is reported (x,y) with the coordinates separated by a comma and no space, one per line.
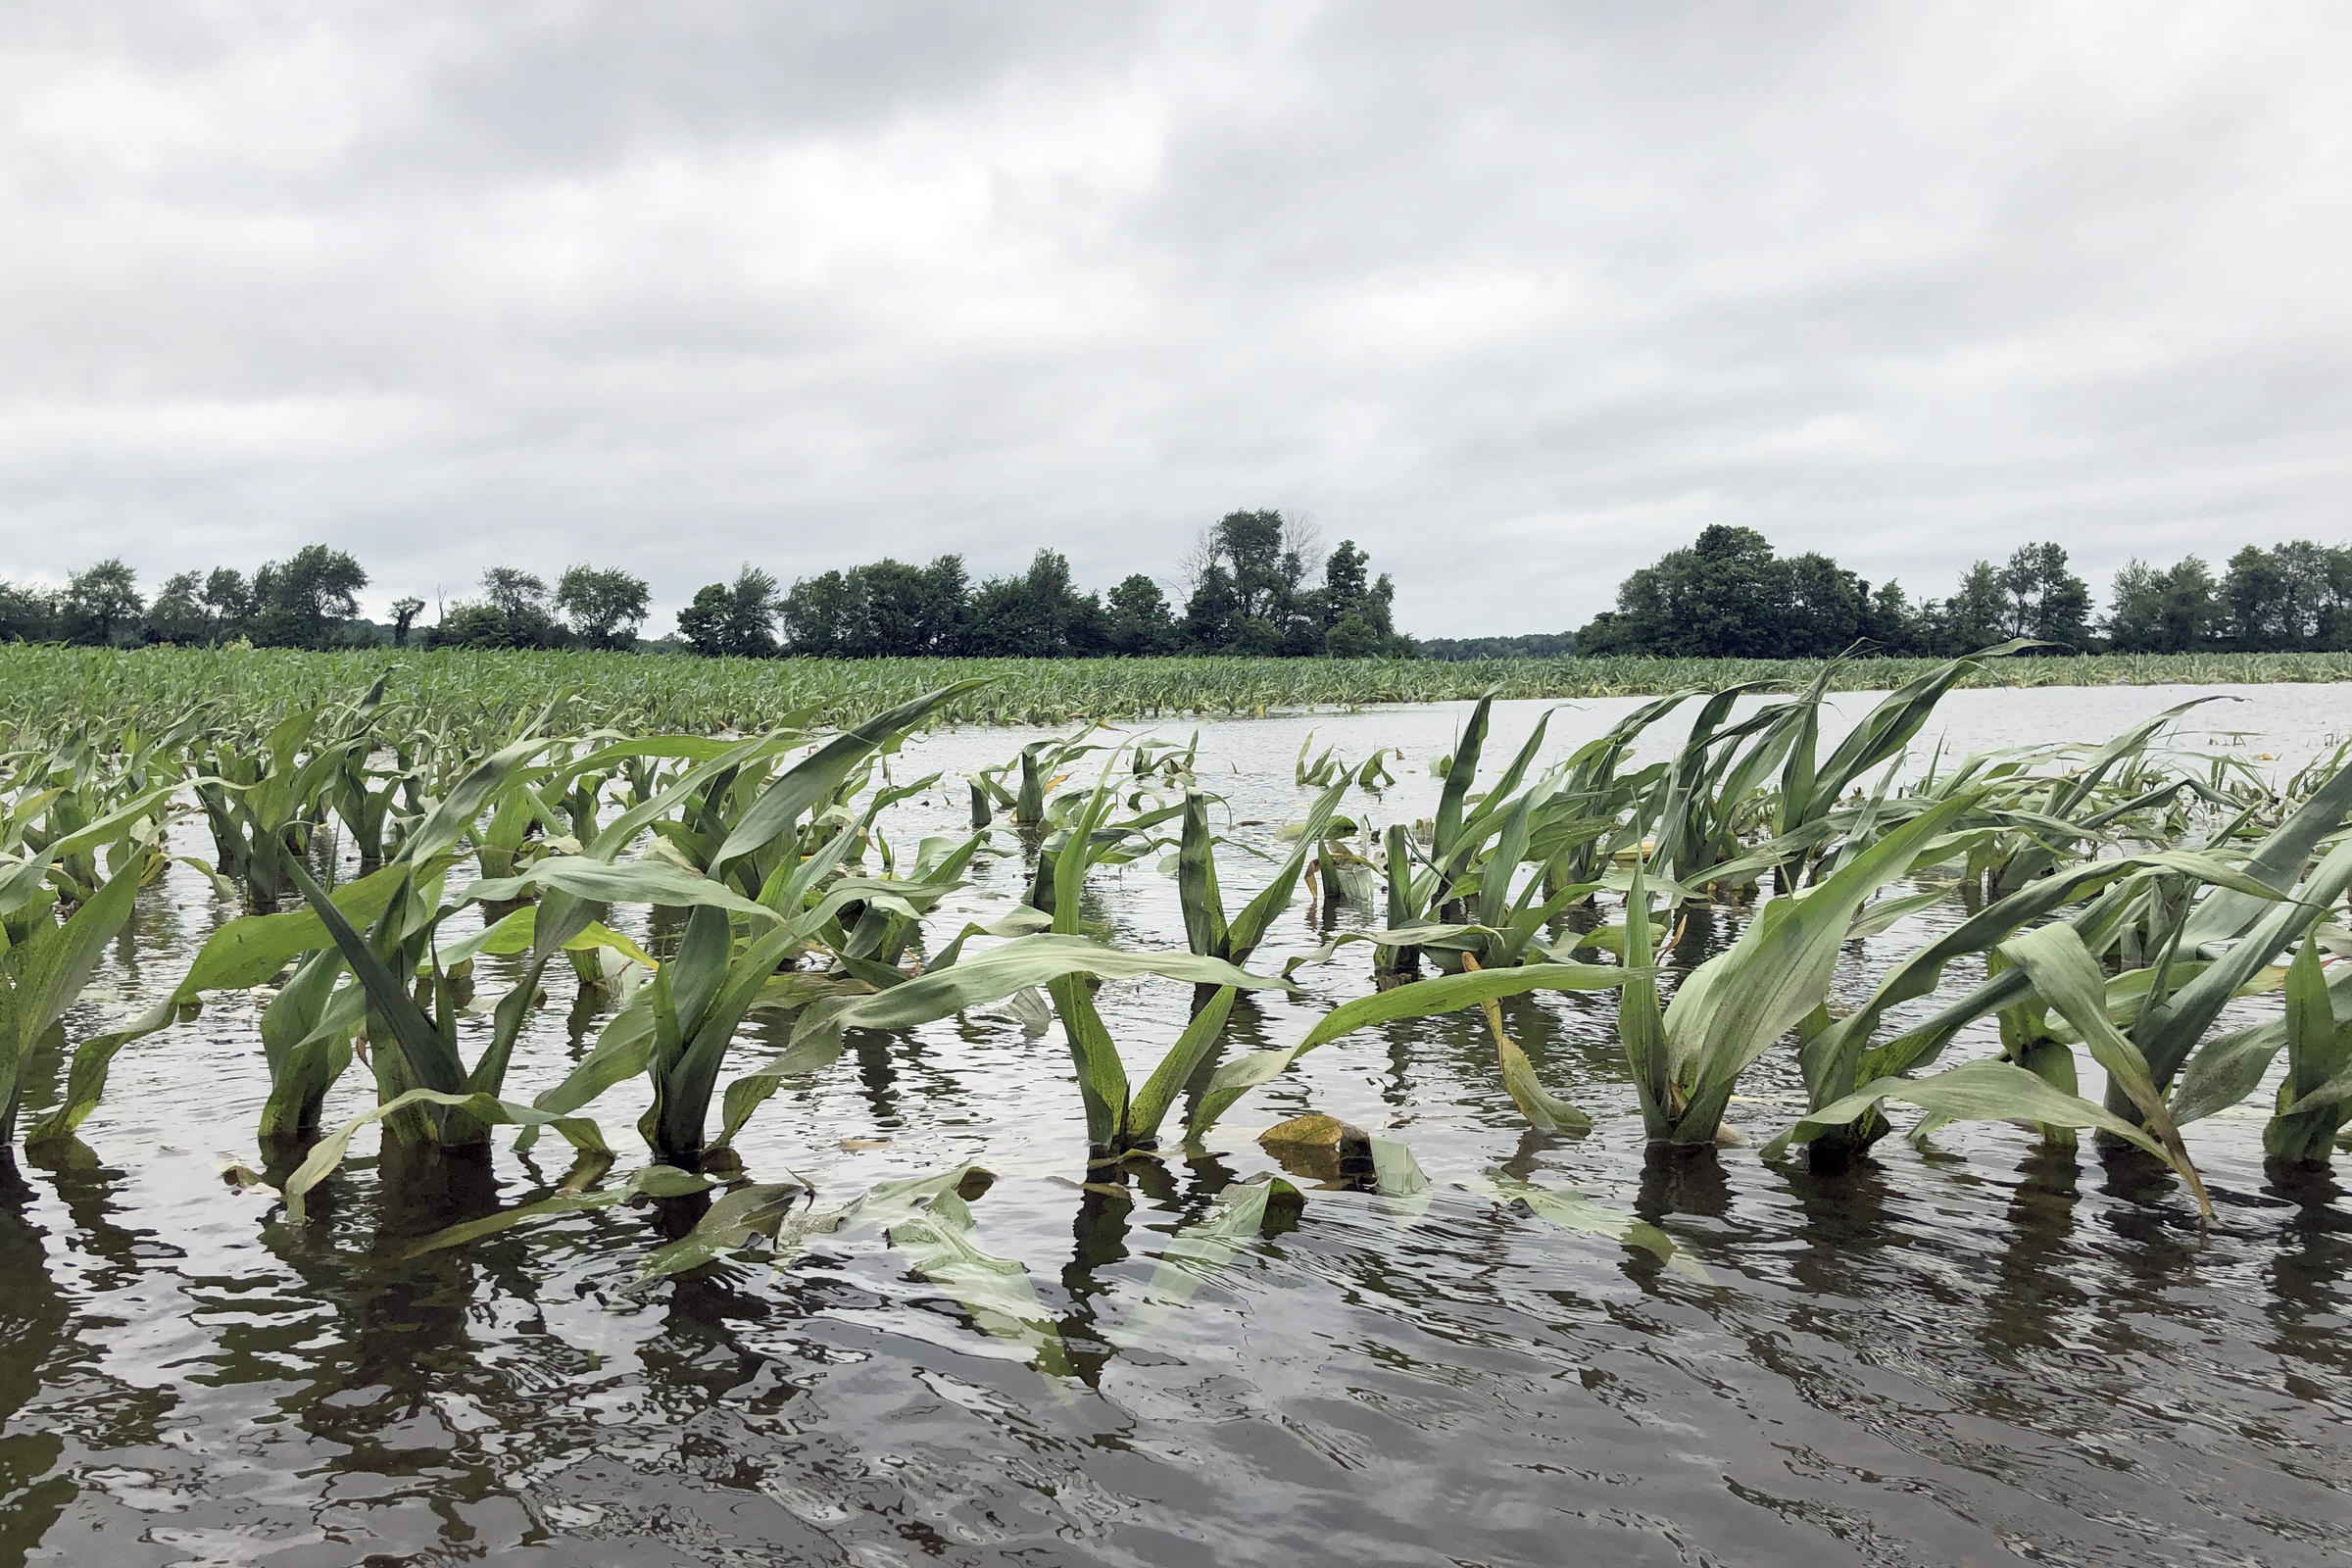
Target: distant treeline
(1730,596)
(1256,585)
(1461,649)
(310,599)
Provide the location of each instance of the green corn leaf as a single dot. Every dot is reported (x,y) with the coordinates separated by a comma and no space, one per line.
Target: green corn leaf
(655,882)
(1197,1253)
(1734,1007)
(654,1181)
(488,1109)
(1248,927)
(813,780)
(2319,1067)
(1459,775)
(2067,977)
(1197,891)
(431,1059)
(242,954)
(449,822)
(734,1219)
(1192,1048)
(43,976)
(1573,1211)
(978,980)
(1101,1076)
(1422,998)
(940,1243)
(1986,1089)
(2277,861)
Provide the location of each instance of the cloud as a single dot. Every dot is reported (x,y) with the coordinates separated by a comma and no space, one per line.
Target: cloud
(1516,296)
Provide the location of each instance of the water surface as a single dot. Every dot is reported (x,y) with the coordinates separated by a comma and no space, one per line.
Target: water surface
(1982,1352)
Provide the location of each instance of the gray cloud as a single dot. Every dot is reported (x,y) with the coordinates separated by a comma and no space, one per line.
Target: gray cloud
(1516,296)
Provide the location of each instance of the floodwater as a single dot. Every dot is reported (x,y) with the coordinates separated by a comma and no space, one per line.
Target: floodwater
(1982,1352)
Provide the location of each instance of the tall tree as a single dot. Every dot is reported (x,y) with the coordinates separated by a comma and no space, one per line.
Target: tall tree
(824,616)
(1039,614)
(28,614)
(1829,608)
(177,615)
(2159,611)
(513,613)
(227,602)
(704,621)
(306,600)
(1139,621)
(1891,624)
(605,605)
(750,621)
(1974,617)
(101,600)
(1212,615)
(2043,599)
(1249,591)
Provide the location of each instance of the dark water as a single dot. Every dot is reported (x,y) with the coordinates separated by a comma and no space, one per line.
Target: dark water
(1979,1355)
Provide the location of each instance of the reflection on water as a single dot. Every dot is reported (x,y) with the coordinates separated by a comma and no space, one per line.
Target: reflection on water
(1977,1352)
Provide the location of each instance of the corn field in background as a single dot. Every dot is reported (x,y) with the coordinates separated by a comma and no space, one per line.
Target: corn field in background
(485,690)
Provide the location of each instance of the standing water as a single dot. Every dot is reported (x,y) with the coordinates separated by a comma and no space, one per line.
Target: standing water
(1975,1351)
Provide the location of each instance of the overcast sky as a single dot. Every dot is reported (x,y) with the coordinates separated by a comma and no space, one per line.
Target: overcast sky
(1516,297)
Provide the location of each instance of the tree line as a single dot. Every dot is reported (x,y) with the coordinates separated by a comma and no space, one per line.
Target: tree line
(1258,583)
(1255,583)
(1728,595)
(310,599)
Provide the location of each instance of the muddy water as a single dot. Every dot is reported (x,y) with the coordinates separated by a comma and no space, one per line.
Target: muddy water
(1981,1352)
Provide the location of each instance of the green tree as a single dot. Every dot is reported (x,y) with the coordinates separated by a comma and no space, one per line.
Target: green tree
(521,599)
(605,605)
(894,619)
(306,600)
(1974,616)
(227,602)
(2151,611)
(1039,614)
(1891,624)
(28,614)
(177,615)
(471,623)
(1828,609)
(824,616)
(752,615)
(100,600)
(2293,596)
(704,621)
(2042,598)
(1354,638)
(511,612)
(2191,611)
(404,611)
(1139,620)
(2136,610)
(946,606)
(1212,615)
(1345,582)
(1725,596)
(1249,589)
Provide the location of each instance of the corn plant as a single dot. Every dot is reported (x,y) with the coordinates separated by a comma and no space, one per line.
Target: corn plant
(47,963)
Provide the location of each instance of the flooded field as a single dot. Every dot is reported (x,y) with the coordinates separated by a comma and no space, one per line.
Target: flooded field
(1983,1348)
